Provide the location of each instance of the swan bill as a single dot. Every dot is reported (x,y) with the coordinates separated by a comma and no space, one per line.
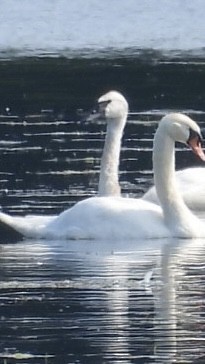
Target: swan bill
(98,112)
(195,145)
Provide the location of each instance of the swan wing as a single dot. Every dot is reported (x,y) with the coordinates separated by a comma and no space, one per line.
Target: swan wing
(191,183)
(112,218)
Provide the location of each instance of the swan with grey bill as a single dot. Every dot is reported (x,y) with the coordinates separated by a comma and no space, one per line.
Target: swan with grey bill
(113,108)
(118,218)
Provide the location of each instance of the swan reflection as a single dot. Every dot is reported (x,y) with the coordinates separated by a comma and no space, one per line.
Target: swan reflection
(106,300)
(178,289)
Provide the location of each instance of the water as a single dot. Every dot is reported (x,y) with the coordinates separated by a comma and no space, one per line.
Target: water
(89,302)
(92,302)
(95,302)
(69,27)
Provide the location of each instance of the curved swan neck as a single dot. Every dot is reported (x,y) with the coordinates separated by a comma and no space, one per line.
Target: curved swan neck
(108,181)
(176,213)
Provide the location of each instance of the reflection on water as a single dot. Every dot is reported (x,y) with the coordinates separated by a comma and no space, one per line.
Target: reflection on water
(98,302)
(93,302)
(180,303)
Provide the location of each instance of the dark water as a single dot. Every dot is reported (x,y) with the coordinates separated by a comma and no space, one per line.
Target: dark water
(49,158)
(94,302)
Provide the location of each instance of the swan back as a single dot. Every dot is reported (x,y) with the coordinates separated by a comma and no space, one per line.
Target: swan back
(191,182)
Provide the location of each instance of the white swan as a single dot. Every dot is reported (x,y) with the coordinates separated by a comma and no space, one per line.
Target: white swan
(191,183)
(117,218)
(114,108)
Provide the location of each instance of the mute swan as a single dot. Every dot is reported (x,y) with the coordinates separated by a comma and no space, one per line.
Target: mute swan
(118,218)
(191,183)
(114,108)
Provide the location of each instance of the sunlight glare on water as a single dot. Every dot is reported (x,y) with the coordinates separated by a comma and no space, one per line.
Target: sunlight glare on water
(62,27)
(104,301)
(88,302)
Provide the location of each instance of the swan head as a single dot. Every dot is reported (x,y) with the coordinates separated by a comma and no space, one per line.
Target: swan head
(111,106)
(182,128)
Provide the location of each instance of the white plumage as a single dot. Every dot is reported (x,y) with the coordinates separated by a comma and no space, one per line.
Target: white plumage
(118,218)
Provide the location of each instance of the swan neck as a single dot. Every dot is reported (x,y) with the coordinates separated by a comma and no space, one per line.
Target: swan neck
(109,180)
(164,166)
(176,213)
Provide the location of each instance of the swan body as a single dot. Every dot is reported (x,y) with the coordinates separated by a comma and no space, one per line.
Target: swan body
(191,183)
(112,107)
(118,218)
(110,218)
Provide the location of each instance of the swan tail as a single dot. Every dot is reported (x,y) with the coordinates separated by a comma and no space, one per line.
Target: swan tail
(8,232)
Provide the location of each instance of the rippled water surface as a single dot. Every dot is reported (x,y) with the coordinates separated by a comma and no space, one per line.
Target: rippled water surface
(94,302)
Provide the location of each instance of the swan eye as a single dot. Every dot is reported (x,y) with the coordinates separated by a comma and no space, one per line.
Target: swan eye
(106,102)
(98,111)
(102,107)
(99,107)
(103,104)
(194,135)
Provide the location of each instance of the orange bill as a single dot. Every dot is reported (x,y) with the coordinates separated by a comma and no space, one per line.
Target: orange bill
(195,145)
